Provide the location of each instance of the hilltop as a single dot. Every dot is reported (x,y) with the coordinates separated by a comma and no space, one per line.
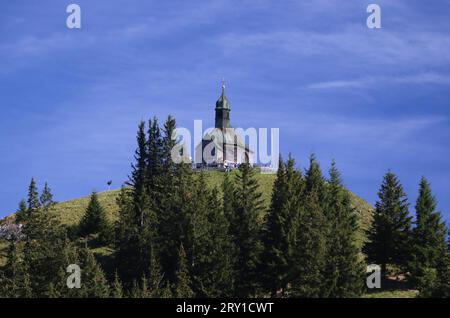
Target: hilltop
(70,212)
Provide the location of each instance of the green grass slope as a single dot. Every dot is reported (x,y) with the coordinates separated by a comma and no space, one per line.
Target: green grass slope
(70,212)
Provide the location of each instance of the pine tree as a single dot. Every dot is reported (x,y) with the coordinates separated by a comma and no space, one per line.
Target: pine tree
(134,217)
(168,145)
(311,240)
(183,285)
(212,272)
(117,288)
(154,158)
(344,273)
(145,290)
(389,237)
(14,272)
(93,281)
(155,276)
(127,238)
(280,227)
(33,197)
(176,220)
(46,198)
(245,230)
(22,212)
(46,254)
(221,279)
(228,190)
(94,220)
(429,233)
(166,292)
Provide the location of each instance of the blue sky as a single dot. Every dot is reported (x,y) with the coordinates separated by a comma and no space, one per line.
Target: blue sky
(374,100)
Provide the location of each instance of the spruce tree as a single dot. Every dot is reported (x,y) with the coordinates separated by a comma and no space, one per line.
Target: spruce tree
(156,277)
(222,280)
(212,271)
(14,273)
(183,287)
(46,198)
(127,238)
(154,158)
(93,281)
(136,217)
(344,272)
(311,239)
(22,212)
(429,234)
(389,238)
(116,288)
(33,197)
(45,239)
(94,220)
(228,190)
(280,227)
(176,220)
(245,230)
(145,290)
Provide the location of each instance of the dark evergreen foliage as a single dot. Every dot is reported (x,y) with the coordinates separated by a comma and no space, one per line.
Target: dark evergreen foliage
(390,235)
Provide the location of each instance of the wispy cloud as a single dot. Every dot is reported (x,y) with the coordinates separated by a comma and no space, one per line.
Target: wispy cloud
(417,79)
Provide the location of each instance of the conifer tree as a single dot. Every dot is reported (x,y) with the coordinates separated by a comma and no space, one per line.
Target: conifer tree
(389,237)
(245,230)
(145,290)
(154,159)
(183,284)
(14,284)
(166,291)
(168,145)
(94,220)
(311,241)
(44,238)
(127,238)
(344,272)
(33,197)
(46,198)
(228,198)
(155,277)
(429,234)
(22,212)
(93,281)
(212,271)
(280,227)
(175,220)
(116,288)
(137,218)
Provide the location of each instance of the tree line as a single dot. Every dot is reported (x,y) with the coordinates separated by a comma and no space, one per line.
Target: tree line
(177,237)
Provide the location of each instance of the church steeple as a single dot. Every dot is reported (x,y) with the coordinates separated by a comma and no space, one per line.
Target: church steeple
(223,109)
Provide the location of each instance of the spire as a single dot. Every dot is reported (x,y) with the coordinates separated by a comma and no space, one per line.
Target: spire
(223,102)
(223,110)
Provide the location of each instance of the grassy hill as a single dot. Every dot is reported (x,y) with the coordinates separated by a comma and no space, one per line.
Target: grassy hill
(70,212)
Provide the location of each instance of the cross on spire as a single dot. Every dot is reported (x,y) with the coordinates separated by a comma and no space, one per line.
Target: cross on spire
(223,85)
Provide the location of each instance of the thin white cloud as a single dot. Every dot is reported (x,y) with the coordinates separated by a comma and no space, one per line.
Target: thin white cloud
(417,79)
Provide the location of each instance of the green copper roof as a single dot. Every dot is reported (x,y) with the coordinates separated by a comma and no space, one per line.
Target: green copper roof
(223,101)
